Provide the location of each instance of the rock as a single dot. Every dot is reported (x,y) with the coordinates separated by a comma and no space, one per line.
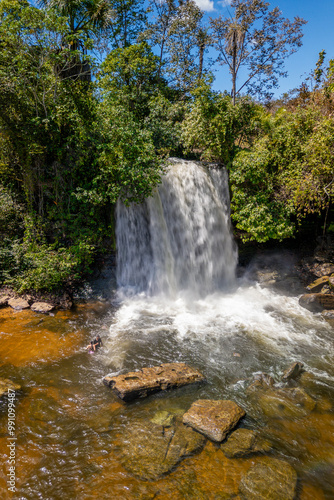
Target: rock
(269,479)
(4,300)
(293,371)
(316,302)
(331,283)
(264,379)
(42,307)
(317,285)
(18,304)
(328,314)
(261,381)
(286,403)
(152,450)
(244,442)
(326,268)
(6,384)
(163,418)
(147,381)
(214,419)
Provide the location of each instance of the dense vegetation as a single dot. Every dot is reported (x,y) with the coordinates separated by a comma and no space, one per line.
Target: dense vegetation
(96,94)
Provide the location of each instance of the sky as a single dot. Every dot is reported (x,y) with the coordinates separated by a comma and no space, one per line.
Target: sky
(318,35)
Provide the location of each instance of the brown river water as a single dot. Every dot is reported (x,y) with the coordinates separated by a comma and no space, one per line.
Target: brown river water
(71,430)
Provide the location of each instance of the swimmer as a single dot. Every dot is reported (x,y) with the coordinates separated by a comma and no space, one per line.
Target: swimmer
(91,347)
(98,342)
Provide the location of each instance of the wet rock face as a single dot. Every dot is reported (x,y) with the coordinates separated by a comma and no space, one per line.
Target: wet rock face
(214,419)
(147,381)
(269,479)
(244,442)
(293,371)
(153,450)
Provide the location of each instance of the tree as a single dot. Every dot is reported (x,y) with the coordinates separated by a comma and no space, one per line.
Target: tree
(181,40)
(128,21)
(258,41)
(85,20)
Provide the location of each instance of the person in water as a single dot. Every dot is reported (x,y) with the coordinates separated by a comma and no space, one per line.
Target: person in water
(97,342)
(91,347)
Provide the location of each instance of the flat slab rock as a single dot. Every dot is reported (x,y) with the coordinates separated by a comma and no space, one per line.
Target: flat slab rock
(270,479)
(133,385)
(18,304)
(214,419)
(42,307)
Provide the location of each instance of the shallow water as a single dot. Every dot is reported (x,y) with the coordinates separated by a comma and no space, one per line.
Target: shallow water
(71,430)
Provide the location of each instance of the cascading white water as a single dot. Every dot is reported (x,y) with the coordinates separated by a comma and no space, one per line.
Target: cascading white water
(180,238)
(179,296)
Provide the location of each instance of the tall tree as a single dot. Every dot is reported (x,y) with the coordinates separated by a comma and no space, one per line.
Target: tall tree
(258,41)
(86,19)
(128,21)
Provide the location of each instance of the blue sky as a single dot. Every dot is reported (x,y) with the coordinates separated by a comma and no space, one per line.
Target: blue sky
(318,35)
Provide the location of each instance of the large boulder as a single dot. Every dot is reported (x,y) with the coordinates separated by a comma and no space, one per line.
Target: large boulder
(269,479)
(42,307)
(152,450)
(214,419)
(147,381)
(244,442)
(316,302)
(18,304)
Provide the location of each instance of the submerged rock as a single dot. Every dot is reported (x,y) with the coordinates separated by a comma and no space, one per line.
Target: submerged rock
(18,304)
(152,450)
(293,371)
(42,307)
(244,442)
(286,403)
(214,419)
(6,384)
(147,381)
(261,381)
(269,479)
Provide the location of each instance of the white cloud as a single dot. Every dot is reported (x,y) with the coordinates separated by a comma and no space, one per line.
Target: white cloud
(206,5)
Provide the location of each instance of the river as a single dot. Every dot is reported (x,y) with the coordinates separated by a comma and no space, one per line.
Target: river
(179,299)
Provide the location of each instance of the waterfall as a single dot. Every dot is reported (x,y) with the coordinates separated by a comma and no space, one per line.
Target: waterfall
(180,238)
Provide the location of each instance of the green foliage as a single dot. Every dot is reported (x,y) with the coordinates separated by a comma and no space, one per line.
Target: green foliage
(216,128)
(257,210)
(42,267)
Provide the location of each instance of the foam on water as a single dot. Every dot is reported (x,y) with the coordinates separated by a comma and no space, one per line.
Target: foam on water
(179,296)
